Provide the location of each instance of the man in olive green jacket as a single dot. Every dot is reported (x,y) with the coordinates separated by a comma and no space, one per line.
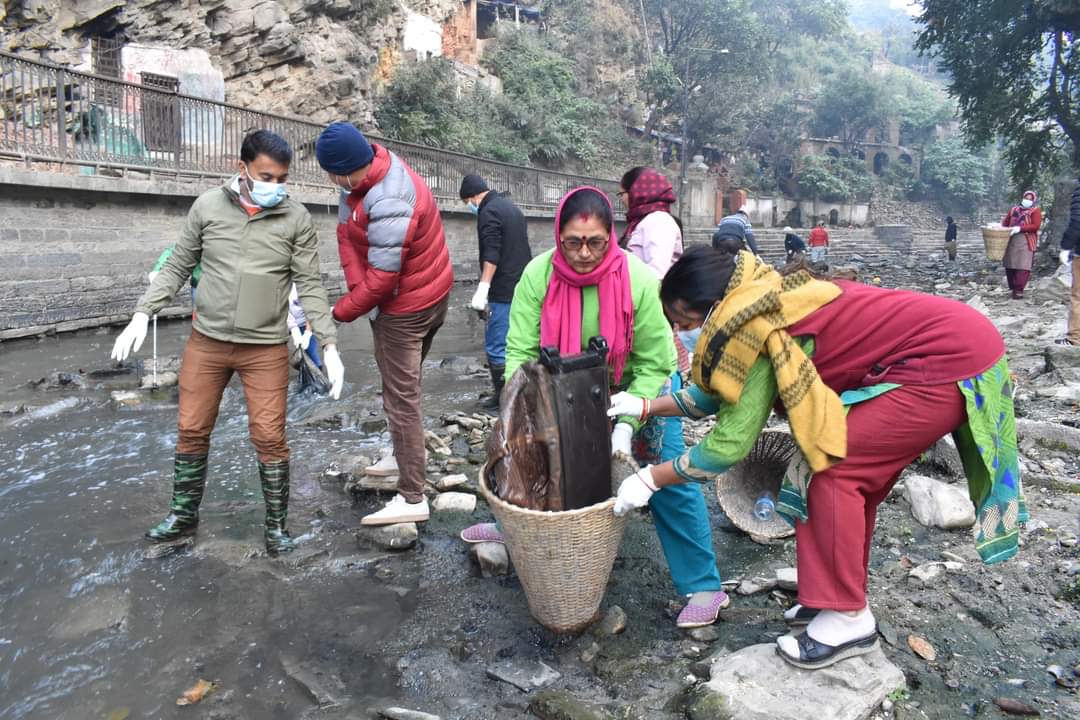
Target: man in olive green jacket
(253,242)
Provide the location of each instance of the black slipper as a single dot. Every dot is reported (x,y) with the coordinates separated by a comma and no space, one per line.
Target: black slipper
(802,617)
(814,655)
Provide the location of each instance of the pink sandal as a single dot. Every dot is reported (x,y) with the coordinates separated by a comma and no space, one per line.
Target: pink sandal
(481,533)
(693,616)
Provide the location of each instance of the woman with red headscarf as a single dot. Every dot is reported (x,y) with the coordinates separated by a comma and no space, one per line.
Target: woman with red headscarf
(588,286)
(1024,219)
(652,233)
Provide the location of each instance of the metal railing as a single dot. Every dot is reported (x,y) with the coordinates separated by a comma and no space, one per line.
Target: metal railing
(54,114)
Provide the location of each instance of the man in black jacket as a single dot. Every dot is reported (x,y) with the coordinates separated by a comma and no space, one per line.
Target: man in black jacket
(794,245)
(504,253)
(1070,253)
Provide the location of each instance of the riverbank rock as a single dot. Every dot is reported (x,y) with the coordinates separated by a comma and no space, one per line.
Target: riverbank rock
(401,536)
(787,578)
(935,504)
(454,502)
(756,684)
(449,482)
(491,557)
(370,483)
(1052,436)
(396,713)
(525,675)
(126,398)
(561,705)
(163,379)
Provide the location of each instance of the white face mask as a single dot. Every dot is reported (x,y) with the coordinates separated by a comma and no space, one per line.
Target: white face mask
(689,338)
(1026,203)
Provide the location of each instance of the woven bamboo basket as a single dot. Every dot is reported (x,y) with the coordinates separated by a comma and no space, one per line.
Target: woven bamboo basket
(760,471)
(563,559)
(996,241)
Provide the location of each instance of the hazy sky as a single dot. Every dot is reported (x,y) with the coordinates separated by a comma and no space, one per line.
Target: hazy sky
(911,7)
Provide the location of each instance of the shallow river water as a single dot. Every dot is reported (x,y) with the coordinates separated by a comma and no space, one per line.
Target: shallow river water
(88,627)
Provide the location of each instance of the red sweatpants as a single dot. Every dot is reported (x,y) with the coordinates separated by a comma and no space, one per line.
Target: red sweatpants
(884,436)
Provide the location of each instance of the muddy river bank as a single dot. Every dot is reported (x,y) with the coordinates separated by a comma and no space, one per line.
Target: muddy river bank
(343,628)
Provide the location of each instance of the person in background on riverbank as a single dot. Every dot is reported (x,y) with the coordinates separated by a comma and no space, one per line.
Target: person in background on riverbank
(819,243)
(950,238)
(794,246)
(1070,244)
(252,241)
(1024,220)
(869,379)
(743,218)
(588,286)
(397,269)
(504,252)
(652,233)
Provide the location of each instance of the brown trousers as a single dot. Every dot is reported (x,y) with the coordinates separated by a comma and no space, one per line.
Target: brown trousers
(401,344)
(205,370)
(1074,306)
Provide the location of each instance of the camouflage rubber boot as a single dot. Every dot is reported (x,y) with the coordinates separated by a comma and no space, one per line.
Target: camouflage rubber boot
(189,480)
(275,487)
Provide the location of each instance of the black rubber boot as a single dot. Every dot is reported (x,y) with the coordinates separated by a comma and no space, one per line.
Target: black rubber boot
(189,481)
(275,486)
(497,382)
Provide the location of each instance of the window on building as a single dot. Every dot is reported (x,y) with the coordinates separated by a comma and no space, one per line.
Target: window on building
(161,112)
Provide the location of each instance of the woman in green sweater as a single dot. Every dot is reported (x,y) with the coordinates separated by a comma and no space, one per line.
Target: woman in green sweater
(585,287)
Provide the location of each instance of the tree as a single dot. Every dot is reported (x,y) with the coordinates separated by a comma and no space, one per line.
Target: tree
(1015,70)
(956,174)
(851,103)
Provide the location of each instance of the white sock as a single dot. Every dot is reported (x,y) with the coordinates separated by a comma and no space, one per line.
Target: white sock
(792,611)
(832,627)
(702,599)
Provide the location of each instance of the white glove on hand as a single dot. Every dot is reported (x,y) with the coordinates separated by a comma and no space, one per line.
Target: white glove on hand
(335,370)
(635,491)
(1013,230)
(131,339)
(152,274)
(297,337)
(1065,257)
(305,339)
(620,439)
(626,404)
(479,298)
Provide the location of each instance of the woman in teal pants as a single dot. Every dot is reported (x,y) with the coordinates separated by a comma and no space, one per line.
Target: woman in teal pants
(588,286)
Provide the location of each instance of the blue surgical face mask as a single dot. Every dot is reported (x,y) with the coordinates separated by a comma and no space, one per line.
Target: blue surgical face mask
(689,338)
(473,208)
(1026,203)
(265,194)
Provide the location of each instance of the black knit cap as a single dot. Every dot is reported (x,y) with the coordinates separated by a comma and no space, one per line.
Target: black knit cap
(472,185)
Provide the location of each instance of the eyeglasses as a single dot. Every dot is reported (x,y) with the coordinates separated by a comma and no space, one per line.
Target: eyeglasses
(595,244)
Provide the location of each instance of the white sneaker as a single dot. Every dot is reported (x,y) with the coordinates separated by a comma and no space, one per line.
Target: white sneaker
(386,467)
(399,510)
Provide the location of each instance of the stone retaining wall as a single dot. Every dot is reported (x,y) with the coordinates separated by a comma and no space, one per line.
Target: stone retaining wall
(76,249)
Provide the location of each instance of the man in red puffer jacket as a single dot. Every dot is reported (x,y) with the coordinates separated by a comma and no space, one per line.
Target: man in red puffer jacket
(397,269)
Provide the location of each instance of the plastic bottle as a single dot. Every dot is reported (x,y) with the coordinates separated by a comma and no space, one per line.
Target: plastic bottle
(765,506)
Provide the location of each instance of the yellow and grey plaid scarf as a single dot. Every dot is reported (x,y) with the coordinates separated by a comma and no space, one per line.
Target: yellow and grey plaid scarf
(751,319)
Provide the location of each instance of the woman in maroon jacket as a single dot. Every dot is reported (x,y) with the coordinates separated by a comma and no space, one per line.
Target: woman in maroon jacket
(1024,219)
(869,378)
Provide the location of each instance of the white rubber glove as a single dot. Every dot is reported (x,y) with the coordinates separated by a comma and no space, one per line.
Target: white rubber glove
(305,339)
(1013,230)
(335,370)
(297,337)
(626,404)
(635,491)
(479,298)
(131,339)
(1065,257)
(620,439)
(152,274)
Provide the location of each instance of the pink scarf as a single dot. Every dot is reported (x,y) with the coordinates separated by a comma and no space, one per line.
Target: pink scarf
(560,316)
